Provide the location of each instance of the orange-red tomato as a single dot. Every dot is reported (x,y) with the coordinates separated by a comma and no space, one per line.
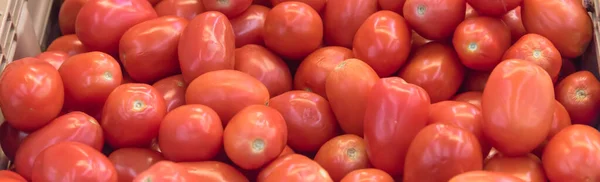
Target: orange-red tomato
(383,42)
(475,80)
(367,175)
(173,91)
(538,50)
(213,171)
(69,44)
(55,58)
(165,171)
(318,5)
(472,97)
(230,8)
(560,119)
(433,155)
(342,155)
(395,112)
(187,9)
(249,25)
(31,93)
(470,12)
(528,168)
(513,20)
(293,168)
(9,176)
(484,176)
(481,41)
(579,93)
(130,162)
(342,18)
(67,15)
(265,66)
(573,154)
(494,8)
(10,140)
(447,14)
(392,5)
(315,68)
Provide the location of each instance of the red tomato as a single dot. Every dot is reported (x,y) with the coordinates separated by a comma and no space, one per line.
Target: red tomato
(227,92)
(342,18)
(447,15)
(513,20)
(31,93)
(69,44)
(132,114)
(67,15)
(265,66)
(392,5)
(165,171)
(367,175)
(173,91)
(55,58)
(484,176)
(580,94)
(286,151)
(475,80)
(481,41)
(560,119)
(567,68)
(342,155)
(470,12)
(207,44)
(495,8)
(347,87)
(433,154)
(249,25)
(528,168)
(565,23)
(9,176)
(395,113)
(573,154)
(314,69)
(515,89)
(101,23)
(187,9)
(318,5)
(436,68)
(383,42)
(230,8)
(213,171)
(472,97)
(130,162)
(255,136)
(293,30)
(10,140)
(293,168)
(538,50)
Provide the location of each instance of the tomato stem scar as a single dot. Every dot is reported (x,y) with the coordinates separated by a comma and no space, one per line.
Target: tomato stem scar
(258,145)
(472,46)
(351,152)
(107,75)
(580,94)
(421,9)
(138,105)
(537,54)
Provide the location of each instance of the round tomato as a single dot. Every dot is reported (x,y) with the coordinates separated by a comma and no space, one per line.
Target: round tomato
(367,175)
(230,8)
(67,15)
(484,176)
(55,58)
(392,5)
(31,93)
(472,97)
(265,66)
(173,91)
(187,9)
(580,94)
(494,8)
(10,140)
(481,41)
(165,171)
(560,119)
(315,68)
(130,162)
(293,168)
(9,176)
(475,80)
(318,5)
(69,44)
(342,155)
(515,24)
(447,15)
(342,18)
(395,112)
(470,12)
(249,25)
(383,42)
(573,154)
(528,168)
(213,171)
(538,50)
(418,41)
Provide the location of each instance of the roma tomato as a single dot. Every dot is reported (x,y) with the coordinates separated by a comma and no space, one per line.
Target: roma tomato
(132,114)
(293,30)
(318,5)
(10,140)
(432,155)
(383,42)
(165,171)
(187,9)
(309,119)
(494,8)
(67,15)
(293,168)
(230,8)
(69,44)
(173,91)
(395,112)
(580,94)
(249,25)
(472,97)
(314,69)
(9,176)
(130,162)
(342,155)
(475,80)
(528,168)
(436,68)
(484,176)
(573,154)
(515,24)
(342,18)
(481,41)
(213,171)
(227,92)
(447,15)
(367,175)
(392,5)
(515,89)
(538,50)
(55,58)
(31,93)
(347,87)
(560,119)
(265,66)
(470,12)
(206,44)
(103,34)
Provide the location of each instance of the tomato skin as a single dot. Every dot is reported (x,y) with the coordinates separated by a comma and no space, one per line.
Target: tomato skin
(314,69)
(9,176)
(528,168)
(560,119)
(447,15)
(342,18)
(478,53)
(129,162)
(573,154)
(286,151)
(383,42)
(395,113)
(318,5)
(248,26)
(579,93)
(165,171)
(472,97)
(55,58)
(230,8)
(206,44)
(515,89)
(513,20)
(293,168)
(265,66)
(484,176)
(493,8)
(69,44)
(538,50)
(392,5)
(342,155)
(173,91)
(67,15)
(187,9)
(470,12)
(213,171)
(367,175)
(31,93)
(475,80)
(10,140)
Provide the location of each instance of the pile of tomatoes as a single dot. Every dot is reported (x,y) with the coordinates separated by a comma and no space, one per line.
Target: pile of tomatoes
(306,90)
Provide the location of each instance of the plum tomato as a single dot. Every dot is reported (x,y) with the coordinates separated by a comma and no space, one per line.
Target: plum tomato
(383,41)
(230,8)
(31,93)
(10,176)
(187,9)
(495,8)
(249,25)
(67,15)
(573,154)
(10,140)
(173,91)
(560,119)
(396,111)
(69,44)
(342,155)
(392,5)
(538,50)
(475,80)
(481,41)
(367,175)
(347,87)
(446,14)
(513,20)
(436,68)
(293,30)
(432,155)
(165,171)
(130,162)
(255,136)
(342,18)
(318,5)
(472,97)
(213,171)
(293,168)
(132,114)
(206,44)
(470,12)
(516,88)
(579,93)
(55,58)
(528,167)
(227,92)
(315,68)
(484,176)
(265,66)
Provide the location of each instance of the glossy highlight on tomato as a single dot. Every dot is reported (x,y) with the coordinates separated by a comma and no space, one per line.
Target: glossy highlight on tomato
(481,41)
(573,154)
(314,69)
(446,14)
(538,50)
(342,18)
(248,26)
(173,91)
(265,66)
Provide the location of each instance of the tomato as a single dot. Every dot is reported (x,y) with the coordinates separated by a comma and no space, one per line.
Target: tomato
(255,136)
(392,5)
(494,8)
(383,42)
(481,41)
(67,15)
(573,154)
(293,168)
(206,44)
(69,44)
(227,92)
(9,176)
(567,68)
(187,9)
(417,41)
(314,69)
(484,176)
(249,25)
(342,155)
(347,87)
(31,93)
(470,12)
(395,113)
(165,171)
(472,97)
(132,114)
(318,5)
(265,66)
(580,94)
(309,119)
(129,162)
(447,15)
(515,89)
(475,80)
(230,8)
(528,168)
(515,24)
(103,34)
(342,18)
(560,119)
(552,19)
(538,50)
(293,30)
(213,171)
(55,58)
(433,154)
(367,175)
(10,140)
(436,68)
(173,91)
(151,43)
(286,151)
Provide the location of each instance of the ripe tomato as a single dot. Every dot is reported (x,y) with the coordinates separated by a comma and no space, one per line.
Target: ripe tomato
(560,119)
(475,80)
(213,171)
(494,8)
(31,93)
(513,20)
(432,155)
(395,112)
(130,162)
(249,25)
(132,114)
(553,19)
(293,168)
(383,42)
(567,68)
(10,140)
(528,168)
(293,30)
(538,50)
(69,44)
(580,94)
(367,175)
(187,9)
(484,176)
(103,34)
(481,41)
(470,12)
(173,91)
(265,66)
(342,155)
(9,176)
(55,58)
(206,44)
(347,87)
(342,18)
(472,97)
(392,5)
(573,154)
(318,5)
(447,15)
(315,68)
(287,150)
(436,68)
(165,171)
(230,8)
(515,89)
(227,92)
(67,15)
